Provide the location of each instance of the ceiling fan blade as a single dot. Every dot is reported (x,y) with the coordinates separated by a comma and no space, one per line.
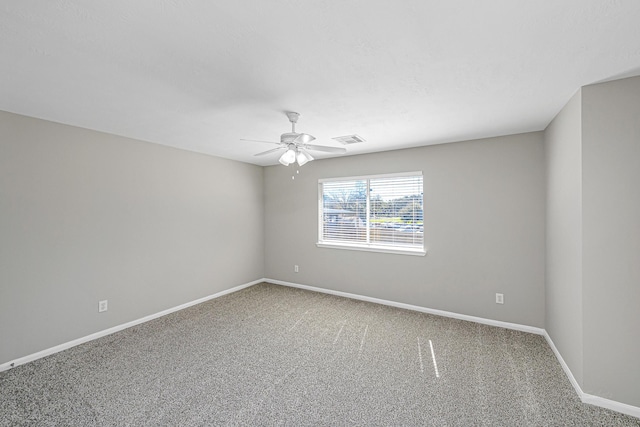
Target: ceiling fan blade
(303,138)
(259,140)
(307,154)
(325,148)
(269,151)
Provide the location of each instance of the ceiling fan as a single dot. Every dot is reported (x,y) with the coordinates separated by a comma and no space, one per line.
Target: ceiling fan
(296,145)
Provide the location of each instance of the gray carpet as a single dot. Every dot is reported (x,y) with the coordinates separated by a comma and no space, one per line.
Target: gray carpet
(271,355)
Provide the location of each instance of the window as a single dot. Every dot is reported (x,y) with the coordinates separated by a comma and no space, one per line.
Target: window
(381,213)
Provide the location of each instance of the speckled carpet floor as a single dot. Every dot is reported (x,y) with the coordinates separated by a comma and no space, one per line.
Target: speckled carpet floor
(271,355)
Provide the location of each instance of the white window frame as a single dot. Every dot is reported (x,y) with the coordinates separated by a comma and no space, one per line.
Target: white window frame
(368,247)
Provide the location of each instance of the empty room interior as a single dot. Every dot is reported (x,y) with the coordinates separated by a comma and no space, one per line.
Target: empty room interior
(320,213)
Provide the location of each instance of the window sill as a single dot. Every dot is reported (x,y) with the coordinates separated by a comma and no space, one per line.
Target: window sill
(370,248)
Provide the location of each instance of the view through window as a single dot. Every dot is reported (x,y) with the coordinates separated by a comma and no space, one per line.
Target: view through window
(376,212)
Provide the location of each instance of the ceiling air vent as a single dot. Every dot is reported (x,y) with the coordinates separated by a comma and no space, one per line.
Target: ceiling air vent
(349,139)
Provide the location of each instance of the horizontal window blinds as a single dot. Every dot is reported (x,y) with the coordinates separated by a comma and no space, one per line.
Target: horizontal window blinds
(380,211)
(344,211)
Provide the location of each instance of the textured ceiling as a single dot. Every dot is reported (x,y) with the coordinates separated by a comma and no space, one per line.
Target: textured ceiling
(200,75)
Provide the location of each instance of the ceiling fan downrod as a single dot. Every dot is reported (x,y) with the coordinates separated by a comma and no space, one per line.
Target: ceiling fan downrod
(293,118)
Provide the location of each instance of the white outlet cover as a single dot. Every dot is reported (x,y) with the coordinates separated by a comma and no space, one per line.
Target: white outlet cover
(499,298)
(103,305)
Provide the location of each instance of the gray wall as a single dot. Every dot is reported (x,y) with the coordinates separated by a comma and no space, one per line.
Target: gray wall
(593,238)
(563,296)
(611,249)
(484,228)
(86,216)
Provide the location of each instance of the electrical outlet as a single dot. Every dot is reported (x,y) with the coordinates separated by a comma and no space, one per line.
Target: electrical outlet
(499,298)
(102,306)
(295,269)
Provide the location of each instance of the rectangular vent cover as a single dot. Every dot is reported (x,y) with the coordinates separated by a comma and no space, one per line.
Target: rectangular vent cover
(349,139)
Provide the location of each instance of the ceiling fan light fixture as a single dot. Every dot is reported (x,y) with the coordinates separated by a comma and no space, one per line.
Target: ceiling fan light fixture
(288,157)
(303,158)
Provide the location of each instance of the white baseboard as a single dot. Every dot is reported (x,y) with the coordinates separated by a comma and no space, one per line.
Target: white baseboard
(564,365)
(590,399)
(100,334)
(490,322)
(623,408)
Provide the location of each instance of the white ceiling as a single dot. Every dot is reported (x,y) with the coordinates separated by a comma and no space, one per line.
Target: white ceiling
(201,74)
